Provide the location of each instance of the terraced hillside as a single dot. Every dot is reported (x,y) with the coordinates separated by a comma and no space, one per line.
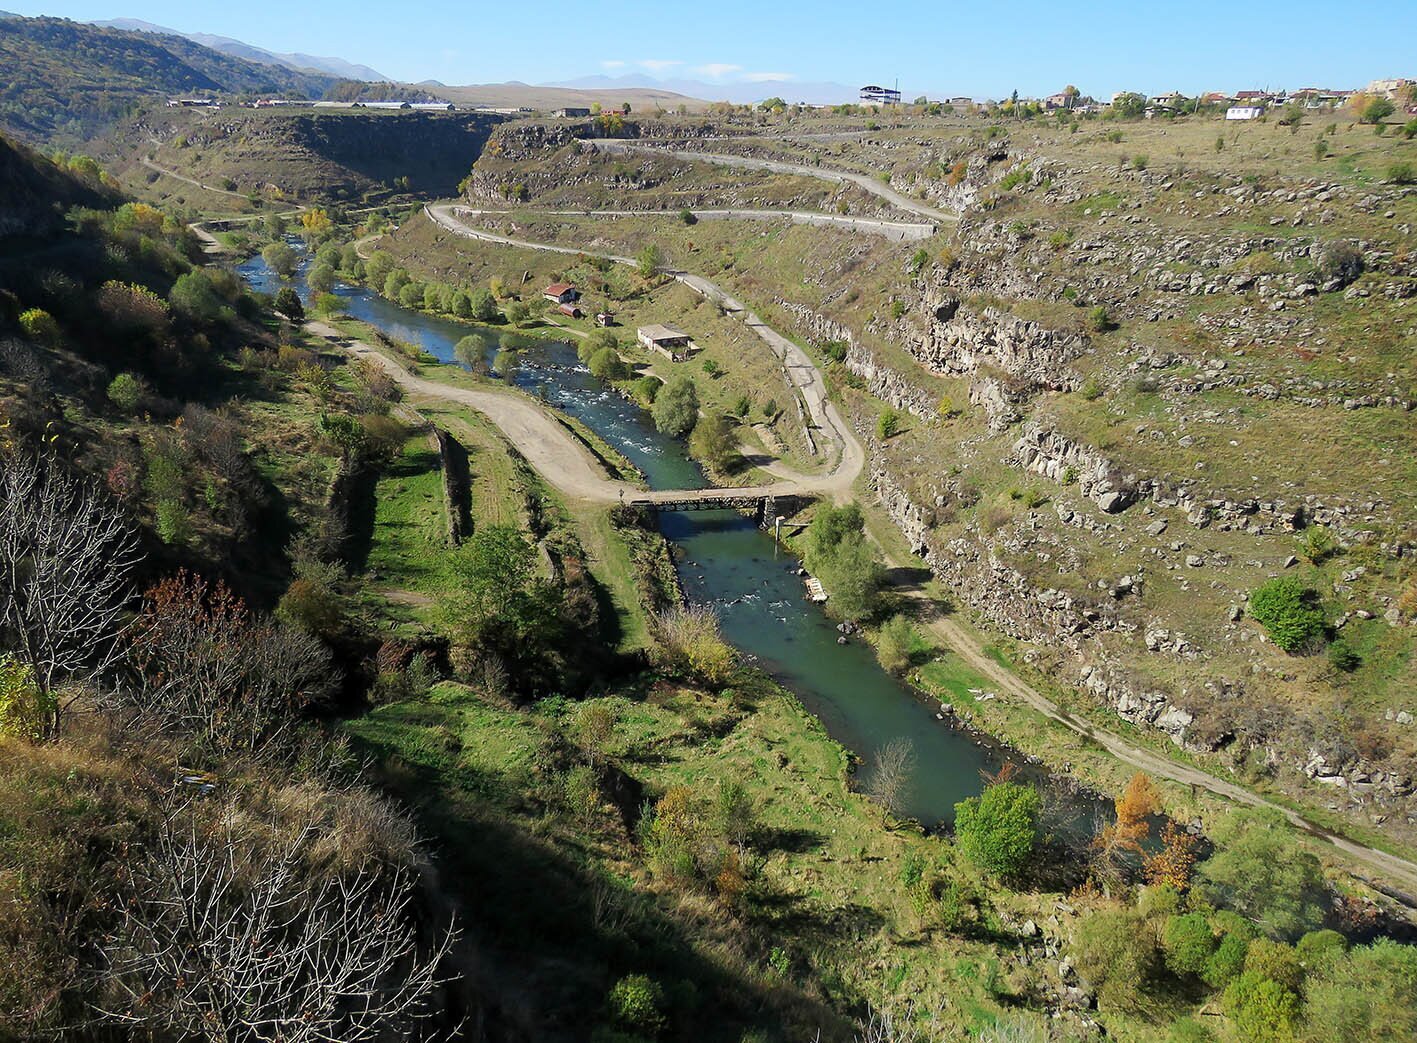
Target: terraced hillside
(1154,368)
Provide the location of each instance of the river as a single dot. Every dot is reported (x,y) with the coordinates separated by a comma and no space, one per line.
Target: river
(726,561)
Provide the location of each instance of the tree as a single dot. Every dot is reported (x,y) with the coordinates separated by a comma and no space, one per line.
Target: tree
(676,407)
(891,768)
(1375,110)
(606,364)
(1365,994)
(483,305)
(126,392)
(838,553)
(321,278)
(1122,839)
(1289,611)
(316,221)
(66,558)
(288,304)
(1173,864)
(218,942)
(997,830)
(648,260)
(194,297)
(773,104)
(1258,872)
(714,442)
(280,258)
(1128,105)
(636,1003)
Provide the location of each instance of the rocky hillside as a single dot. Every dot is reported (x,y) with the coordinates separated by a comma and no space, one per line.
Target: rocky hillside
(340,155)
(68,81)
(1138,391)
(35,193)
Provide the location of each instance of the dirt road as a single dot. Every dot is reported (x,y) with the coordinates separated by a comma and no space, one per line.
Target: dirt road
(896,231)
(873,185)
(801,373)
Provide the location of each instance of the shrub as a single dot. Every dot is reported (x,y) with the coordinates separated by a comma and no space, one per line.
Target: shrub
(1091,389)
(687,217)
(1139,161)
(997,830)
(1317,545)
(1099,321)
(39,325)
(1262,1010)
(25,710)
(1289,611)
(1342,657)
(691,643)
(1227,961)
(918,261)
(1365,995)
(712,369)
(1320,148)
(648,260)
(1376,110)
(280,258)
(889,423)
(126,392)
(1339,260)
(1402,174)
(483,305)
(894,644)
(1116,953)
(637,1002)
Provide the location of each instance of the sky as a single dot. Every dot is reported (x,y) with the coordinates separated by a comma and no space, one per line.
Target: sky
(981,49)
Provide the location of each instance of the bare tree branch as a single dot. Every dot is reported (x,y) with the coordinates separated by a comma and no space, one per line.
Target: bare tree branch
(66,556)
(227,941)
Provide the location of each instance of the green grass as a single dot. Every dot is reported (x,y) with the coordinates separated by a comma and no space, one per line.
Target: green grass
(409,538)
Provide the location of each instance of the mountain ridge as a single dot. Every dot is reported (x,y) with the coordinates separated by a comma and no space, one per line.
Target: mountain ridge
(296,61)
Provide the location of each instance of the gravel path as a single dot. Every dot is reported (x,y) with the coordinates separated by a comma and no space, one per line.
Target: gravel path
(873,185)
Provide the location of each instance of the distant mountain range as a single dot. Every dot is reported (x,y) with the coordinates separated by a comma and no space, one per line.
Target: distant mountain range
(739,92)
(237,49)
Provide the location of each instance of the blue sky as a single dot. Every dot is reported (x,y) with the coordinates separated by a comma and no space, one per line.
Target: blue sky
(983,48)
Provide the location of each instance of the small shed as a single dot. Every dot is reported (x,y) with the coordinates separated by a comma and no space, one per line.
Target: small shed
(1244,112)
(605,318)
(666,340)
(561,293)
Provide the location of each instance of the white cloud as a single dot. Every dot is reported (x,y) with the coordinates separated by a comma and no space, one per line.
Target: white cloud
(717,70)
(612,64)
(767,77)
(658,64)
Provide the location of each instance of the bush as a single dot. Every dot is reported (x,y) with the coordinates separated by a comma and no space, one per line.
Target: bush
(889,423)
(894,645)
(997,830)
(1365,995)
(126,392)
(648,260)
(1262,1010)
(1099,320)
(1339,260)
(1402,174)
(483,305)
(1376,110)
(1116,953)
(1289,611)
(25,710)
(1342,657)
(39,325)
(686,216)
(692,644)
(1228,960)
(1317,544)
(637,1003)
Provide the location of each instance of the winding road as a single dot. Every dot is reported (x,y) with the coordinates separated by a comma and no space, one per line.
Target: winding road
(777,166)
(896,231)
(802,374)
